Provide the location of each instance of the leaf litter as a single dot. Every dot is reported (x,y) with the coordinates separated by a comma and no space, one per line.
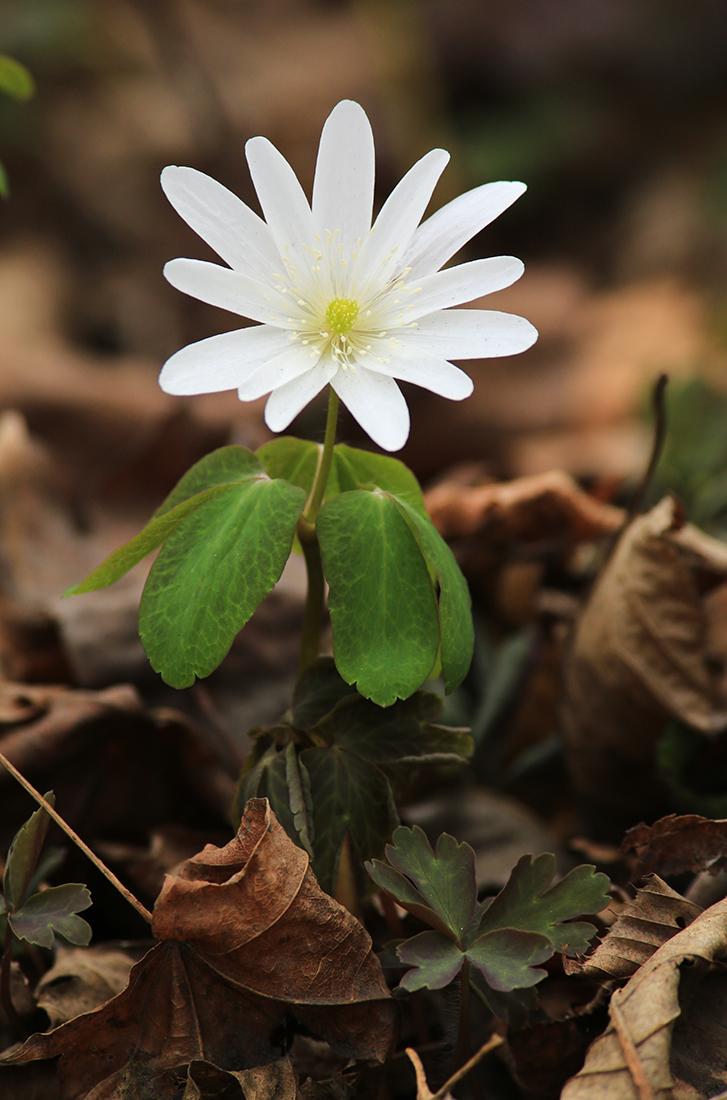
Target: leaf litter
(203,994)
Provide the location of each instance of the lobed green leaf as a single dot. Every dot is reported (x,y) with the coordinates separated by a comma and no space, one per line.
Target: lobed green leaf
(436,960)
(53,911)
(508,958)
(528,902)
(444,879)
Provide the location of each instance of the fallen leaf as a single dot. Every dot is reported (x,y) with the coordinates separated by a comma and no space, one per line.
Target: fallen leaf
(118,769)
(248,939)
(81,979)
(655,915)
(678,843)
(206,1081)
(638,658)
(529,509)
(639,1052)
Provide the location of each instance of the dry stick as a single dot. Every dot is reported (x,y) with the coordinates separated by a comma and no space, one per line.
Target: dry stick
(491,1044)
(76,839)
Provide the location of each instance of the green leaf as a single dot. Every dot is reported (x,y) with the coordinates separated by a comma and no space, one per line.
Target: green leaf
(317,692)
(351,795)
(213,572)
(293,460)
(24,853)
(53,911)
(212,475)
(15,80)
(508,957)
(444,881)
(382,606)
(436,961)
(455,605)
(356,469)
(401,733)
(4,183)
(526,902)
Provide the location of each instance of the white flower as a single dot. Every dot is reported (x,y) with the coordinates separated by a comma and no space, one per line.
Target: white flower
(338,300)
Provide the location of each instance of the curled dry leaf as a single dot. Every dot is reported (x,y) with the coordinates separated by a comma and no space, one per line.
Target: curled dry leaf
(655,915)
(248,939)
(529,509)
(647,1046)
(638,658)
(678,843)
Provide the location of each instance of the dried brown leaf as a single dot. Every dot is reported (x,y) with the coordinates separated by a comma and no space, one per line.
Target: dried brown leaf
(118,769)
(81,979)
(678,843)
(655,915)
(529,509)
(248,938)
(638,658)
(636,1055)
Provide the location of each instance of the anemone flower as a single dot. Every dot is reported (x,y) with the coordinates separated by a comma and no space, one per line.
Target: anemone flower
(336,300)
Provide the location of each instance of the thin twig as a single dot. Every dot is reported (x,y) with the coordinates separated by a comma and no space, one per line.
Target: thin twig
(493,1042)
(144,912)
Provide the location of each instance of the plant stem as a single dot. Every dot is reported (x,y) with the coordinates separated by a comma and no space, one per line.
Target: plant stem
(313,615)
(462,1050)
(5,998)
(76,839)
(324,462)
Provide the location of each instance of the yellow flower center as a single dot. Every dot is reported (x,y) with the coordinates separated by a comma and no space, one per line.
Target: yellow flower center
(341,314)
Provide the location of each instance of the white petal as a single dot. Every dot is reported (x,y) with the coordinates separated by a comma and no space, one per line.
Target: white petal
(283,201)
(412,364)
(221,362)
(343,189)
(456,285)
(377,403)
(285,403)
(275,372)
(236,233)
(473,333)
(400,215)
(231,290)
(437,240)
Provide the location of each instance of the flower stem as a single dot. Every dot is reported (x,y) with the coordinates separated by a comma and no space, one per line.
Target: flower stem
(313,614)
(324,463)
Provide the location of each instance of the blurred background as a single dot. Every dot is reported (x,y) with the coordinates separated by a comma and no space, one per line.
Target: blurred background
(614,112)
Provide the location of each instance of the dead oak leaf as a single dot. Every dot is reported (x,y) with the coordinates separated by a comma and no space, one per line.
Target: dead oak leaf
(639,657)
(248,941)
(667,1025)
(678,843)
